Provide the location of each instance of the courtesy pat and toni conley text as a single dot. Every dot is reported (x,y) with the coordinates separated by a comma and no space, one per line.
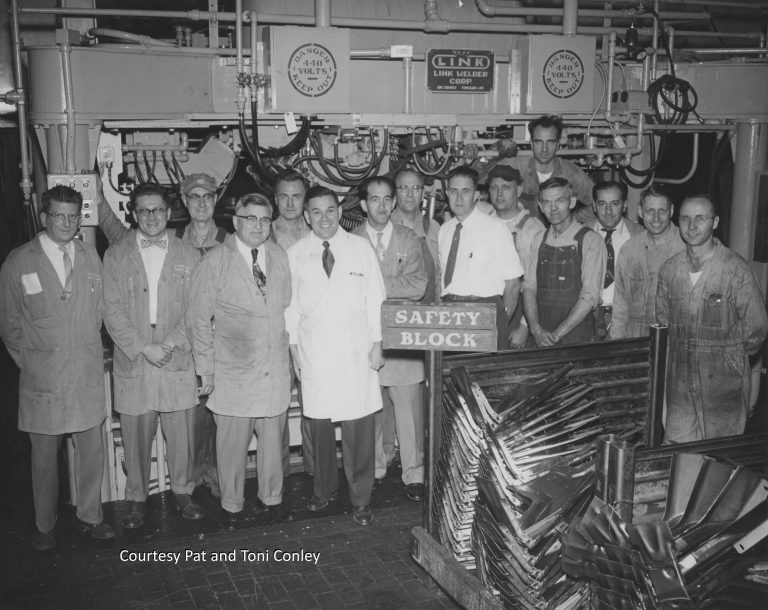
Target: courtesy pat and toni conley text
(204,556)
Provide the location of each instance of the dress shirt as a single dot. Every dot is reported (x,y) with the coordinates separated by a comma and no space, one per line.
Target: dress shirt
(522,236)
(619,237)
(56,256)
(486,257)
(153,258)
(385,238)
(245,253)
(593,256)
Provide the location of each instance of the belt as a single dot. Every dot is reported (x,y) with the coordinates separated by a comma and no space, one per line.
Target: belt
(153,326)
(605,308)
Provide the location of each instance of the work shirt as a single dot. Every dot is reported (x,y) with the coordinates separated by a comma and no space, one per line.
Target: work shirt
(404,278)
(522,226)
(283,236)
(141,387)
(486,257)
(592,265)
(620,236)
(636,278)
(334,321)
(247,349)
(714,326)
(428,241)
(55,339)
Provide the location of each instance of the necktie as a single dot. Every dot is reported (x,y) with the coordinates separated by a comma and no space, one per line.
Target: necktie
(379,245)
(611,254)
(451,264)
(258,274)
(328,259)
(67,270)
(148,243)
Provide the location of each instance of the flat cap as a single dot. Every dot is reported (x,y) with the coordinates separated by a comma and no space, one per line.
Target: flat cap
(195,181)
(505,172)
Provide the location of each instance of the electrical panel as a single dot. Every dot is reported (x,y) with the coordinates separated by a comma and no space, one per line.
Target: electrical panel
(308,69)
(561,74)
(85,184)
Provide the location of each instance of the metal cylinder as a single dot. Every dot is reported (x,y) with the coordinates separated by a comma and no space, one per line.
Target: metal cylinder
(601,465)
(750,158)
(658,371)
(621,478)
(323,13)
(570,17)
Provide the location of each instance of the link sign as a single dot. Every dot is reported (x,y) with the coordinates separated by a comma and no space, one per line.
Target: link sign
(459,70)
(449,327)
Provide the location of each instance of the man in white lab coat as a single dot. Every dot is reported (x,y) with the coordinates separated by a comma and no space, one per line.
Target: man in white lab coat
(334,329)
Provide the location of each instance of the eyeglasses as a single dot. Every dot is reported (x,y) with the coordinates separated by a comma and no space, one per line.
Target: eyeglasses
(694,220)
(60,218)
(253,221)
(410,188)
(195,198)
(147,212)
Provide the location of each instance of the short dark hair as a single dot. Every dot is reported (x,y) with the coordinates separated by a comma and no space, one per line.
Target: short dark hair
(610,184)
(254,199)
(409,170)
(61,193)
(291,175)
(148,189)
(656,190)
(705,197)
(546,121)
(363,191)
(317,191)
(464,171)
(555,182)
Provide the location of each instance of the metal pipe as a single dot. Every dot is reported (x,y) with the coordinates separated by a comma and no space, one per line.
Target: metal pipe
(21,105)
(657,375)
(102,12)
(691,172)
(434,405)
(254,44)
(655,41)
(69,107)
(130,36)
(239,35)
(408,76)
(323,13)
(611,64)
(750,158)
(570,17)
(731,51)
(521,11)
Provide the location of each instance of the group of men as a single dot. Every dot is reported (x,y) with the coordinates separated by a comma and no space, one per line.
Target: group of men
(291,299)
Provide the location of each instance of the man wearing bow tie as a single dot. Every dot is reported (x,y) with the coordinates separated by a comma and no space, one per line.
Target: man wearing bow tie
(146,292)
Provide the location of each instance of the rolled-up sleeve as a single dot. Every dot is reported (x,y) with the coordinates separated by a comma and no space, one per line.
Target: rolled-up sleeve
(593,258)
(530,260)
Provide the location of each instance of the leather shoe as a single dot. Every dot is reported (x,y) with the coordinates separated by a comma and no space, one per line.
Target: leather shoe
(362,514)
(280,512)
(135,518)
(98,531)
(316,504)
(189,510)
(378,482)
(230,520)
(44,541)
(415,491)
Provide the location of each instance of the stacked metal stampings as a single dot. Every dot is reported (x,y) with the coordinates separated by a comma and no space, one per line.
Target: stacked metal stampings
(463,442)
(715,515)
(534,475)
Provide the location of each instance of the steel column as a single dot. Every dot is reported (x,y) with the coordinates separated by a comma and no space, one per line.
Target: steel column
(750,157)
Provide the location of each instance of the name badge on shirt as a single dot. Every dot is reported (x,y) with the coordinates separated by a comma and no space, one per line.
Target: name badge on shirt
(31,283)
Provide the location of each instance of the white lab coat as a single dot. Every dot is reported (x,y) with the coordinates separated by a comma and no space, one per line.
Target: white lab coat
(335,321)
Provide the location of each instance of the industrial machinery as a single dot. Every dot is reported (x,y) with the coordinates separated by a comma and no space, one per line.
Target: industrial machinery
(342,91)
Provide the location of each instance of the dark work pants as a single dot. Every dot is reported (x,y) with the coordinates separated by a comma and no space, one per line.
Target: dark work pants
(357,448)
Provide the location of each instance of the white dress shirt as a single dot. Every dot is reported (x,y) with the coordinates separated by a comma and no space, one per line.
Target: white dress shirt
(245,252)
(619,237)
(56,256)
(153,258)
(386,235)
(486,257)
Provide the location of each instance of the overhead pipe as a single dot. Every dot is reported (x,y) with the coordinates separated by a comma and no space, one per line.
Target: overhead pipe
(69,107)
(490,10)
(691,172)
(19,98)
(655,41)
(570,17)
(322,13)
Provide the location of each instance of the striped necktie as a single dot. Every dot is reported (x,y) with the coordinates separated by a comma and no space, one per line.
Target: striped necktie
(380,245)
(258,274)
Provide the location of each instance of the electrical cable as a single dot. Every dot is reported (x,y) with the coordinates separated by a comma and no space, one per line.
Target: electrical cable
(137,168)
(178,167)
(294,146)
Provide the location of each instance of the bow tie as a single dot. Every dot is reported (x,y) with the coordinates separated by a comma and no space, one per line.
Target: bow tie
(148,243)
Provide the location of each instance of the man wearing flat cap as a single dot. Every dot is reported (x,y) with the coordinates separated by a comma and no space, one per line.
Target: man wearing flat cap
(198,192)
(504,185)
